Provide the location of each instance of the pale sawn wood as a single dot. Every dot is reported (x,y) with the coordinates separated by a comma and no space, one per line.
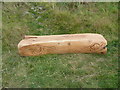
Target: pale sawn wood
(60,44)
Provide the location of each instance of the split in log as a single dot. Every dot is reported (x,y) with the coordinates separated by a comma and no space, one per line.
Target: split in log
(59,44)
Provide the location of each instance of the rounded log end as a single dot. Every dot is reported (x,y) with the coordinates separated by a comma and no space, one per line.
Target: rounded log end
(104,51)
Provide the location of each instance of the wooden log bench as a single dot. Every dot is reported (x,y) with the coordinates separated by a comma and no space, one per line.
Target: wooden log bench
(59,44)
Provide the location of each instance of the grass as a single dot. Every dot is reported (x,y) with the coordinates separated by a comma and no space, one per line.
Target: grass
(59,70)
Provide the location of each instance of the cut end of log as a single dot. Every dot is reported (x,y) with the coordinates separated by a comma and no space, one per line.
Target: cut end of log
(59,44)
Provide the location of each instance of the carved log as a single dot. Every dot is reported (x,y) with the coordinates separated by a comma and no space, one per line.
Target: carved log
(59,44)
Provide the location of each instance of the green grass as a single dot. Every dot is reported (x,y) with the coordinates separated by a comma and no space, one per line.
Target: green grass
(59,70)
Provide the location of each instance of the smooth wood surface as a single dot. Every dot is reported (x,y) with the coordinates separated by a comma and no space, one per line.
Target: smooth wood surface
(60,44)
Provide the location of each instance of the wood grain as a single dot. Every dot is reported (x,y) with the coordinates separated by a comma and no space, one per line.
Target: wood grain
(60,44)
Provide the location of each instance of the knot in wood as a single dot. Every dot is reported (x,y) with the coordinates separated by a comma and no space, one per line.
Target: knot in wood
(95,46)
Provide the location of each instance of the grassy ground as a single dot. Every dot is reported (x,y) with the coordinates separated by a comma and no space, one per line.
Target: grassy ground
(63,70)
